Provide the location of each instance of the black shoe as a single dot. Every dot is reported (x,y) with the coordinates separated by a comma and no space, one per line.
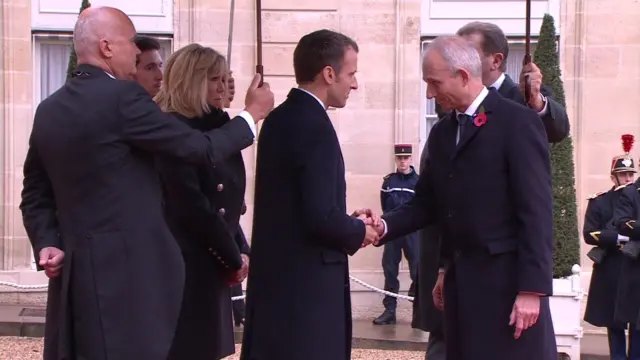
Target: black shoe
(388,317)
(239,323)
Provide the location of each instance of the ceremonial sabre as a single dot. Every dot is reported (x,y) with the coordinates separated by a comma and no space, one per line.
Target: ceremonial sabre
(259,68)
(527,52)
(230,40)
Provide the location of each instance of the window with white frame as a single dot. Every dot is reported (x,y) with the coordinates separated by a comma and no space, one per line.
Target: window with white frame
(51,58)
(514,66)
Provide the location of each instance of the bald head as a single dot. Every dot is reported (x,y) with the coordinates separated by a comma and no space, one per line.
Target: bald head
(95,24)
(104,37)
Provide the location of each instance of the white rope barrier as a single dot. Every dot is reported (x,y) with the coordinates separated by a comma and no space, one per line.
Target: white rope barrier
(235,298)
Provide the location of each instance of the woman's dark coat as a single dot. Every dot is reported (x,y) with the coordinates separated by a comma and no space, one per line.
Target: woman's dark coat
(202,207)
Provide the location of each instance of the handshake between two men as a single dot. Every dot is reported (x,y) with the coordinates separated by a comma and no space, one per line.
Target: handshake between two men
(373,224)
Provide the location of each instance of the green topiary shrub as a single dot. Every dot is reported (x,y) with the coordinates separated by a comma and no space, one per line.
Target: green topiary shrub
(73,60)
(566,234)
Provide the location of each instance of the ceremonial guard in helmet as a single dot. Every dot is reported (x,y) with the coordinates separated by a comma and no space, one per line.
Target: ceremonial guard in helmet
(600,231)
(397,189)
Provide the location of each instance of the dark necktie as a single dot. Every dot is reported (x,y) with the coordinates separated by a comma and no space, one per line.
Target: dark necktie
(462,122)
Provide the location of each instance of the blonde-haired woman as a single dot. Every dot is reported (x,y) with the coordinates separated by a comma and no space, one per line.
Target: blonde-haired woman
(202,207)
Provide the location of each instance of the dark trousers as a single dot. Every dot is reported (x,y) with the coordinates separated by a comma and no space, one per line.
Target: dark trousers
(391,257)
(435,346)
(618,344)
(238,305)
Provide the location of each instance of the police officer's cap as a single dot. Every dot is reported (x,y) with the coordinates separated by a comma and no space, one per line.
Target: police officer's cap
(403,149)
(624,163)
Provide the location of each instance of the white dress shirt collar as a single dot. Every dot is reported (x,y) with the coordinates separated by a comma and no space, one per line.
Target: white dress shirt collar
(498,83)
(473,108)
(315,97)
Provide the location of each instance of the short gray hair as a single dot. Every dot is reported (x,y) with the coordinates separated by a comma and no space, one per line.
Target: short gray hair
(458,53)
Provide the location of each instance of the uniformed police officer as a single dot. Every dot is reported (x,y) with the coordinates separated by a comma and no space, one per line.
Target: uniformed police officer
(600,232)
(397,189)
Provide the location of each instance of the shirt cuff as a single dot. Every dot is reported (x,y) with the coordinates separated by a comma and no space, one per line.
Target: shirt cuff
(384,232)
(622,239)
(249,119)
(545,109)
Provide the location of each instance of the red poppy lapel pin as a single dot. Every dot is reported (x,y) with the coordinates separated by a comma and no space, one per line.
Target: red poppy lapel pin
(480,118)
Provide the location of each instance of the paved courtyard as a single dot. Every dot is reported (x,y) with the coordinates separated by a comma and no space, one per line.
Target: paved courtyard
(19,348)
(399,341)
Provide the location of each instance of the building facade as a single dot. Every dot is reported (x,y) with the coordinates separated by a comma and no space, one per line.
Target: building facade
(599,45)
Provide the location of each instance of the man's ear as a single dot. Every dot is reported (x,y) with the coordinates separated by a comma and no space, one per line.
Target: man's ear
(498,58)
(105,48)
(329,75)
(464,75)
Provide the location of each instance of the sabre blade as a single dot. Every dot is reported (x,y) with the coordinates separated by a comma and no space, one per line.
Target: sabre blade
(232,11)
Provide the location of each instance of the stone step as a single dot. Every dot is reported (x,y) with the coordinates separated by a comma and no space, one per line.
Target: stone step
(17,320)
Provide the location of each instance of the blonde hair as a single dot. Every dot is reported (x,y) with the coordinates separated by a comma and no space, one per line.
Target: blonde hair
(187,71)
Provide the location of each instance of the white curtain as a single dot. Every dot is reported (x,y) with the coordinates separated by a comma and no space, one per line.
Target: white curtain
(54,58)
(165,50)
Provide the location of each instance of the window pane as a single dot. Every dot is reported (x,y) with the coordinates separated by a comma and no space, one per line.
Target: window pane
(514,61)
(54,59)
(165,49)
(430,108)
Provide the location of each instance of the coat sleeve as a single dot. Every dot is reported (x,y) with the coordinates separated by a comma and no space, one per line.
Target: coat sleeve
(38,205)
(384,195)
(624,214)
(318,179)
(556,120)
(417,213)
(593,232)
(242,243)
(529,172)
(145,126)
(197,212)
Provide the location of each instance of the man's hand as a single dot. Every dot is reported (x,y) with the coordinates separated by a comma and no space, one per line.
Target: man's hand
(368,217)
(238,277)
(438,292)
(525,312)
(370,236)
(259,100)
(231,90)
(51,259)
(536,102)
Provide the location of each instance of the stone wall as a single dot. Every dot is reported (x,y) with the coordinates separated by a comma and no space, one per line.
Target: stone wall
(600,54)
(16,117)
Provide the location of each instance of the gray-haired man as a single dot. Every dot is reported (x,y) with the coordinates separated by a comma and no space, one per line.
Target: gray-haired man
(487,188)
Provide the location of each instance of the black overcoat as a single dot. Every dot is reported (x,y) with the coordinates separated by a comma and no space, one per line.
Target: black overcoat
(298,293)
(91,189)
(204,202)
(490,196)
(626,217)
(426,316)
(601,301)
